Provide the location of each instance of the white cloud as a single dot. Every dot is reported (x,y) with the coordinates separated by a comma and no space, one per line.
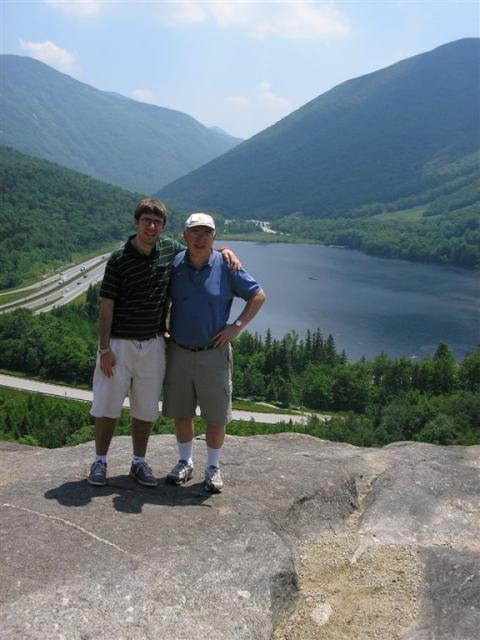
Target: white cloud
(223,12)
(188,12)
(230,13)
(264,99)
(303,20)
(238,101)
(50,53)
(253,111)
(78,7)
(143,95)
(270,99)
(292,19)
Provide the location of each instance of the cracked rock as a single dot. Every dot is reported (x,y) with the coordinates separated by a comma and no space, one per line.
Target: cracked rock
(308,537)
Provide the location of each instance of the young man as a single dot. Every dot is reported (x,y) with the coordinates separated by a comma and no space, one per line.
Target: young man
(199,358)
(131,355)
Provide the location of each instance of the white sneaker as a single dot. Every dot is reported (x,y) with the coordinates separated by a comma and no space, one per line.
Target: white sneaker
(182,472)
(213,480)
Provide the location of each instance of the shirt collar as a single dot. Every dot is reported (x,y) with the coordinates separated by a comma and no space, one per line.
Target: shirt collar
(130,248)
(192,266)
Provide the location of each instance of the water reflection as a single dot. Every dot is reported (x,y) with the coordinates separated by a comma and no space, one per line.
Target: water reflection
(368,304)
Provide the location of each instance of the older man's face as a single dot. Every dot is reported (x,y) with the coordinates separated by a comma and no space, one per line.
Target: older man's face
(199,239)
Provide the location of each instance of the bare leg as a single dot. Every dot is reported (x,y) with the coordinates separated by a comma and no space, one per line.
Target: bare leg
(184,429)
(140,435)
(215,436)
(104,428)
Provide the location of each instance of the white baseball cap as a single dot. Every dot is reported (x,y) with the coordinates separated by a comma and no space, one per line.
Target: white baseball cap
(199,220)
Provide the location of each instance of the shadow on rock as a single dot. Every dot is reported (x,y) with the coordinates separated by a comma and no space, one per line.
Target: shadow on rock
(128,495)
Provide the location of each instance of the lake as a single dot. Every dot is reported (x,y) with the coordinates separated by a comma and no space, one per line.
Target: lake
(368,304)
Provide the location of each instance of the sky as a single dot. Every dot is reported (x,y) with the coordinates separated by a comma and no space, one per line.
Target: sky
(236,64)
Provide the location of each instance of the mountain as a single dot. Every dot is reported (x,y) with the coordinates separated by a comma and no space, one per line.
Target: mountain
(128,143)
(223,133)
(50,213)
(374,139)
(119,96)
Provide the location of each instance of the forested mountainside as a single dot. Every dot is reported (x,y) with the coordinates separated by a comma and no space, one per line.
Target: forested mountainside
(131,144)
(49,213)
(395,133)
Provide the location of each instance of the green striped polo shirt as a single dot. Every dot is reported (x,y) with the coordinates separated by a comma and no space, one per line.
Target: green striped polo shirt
(138,283)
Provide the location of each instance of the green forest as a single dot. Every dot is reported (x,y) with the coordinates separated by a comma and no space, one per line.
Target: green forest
(49,214)
(370,402)
(447,238)
(440,225)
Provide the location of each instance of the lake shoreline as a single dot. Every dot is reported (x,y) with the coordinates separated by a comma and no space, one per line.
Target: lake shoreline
(367,303)
(281,238)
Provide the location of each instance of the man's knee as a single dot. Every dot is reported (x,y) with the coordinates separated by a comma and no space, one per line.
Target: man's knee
(141,424)
(105,423)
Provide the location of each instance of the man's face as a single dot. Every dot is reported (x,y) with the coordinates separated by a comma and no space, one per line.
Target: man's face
(199,239)
(149,228)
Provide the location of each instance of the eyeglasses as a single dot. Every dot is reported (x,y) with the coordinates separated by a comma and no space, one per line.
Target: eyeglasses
(148,222)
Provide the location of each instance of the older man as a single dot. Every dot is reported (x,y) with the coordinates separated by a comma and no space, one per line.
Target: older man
(199,362)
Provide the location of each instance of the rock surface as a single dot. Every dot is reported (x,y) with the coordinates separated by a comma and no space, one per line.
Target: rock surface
(310,540)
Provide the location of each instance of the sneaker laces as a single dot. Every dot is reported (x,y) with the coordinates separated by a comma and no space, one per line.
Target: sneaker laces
(214,473)
(179,467)
(146,469)
(98,467)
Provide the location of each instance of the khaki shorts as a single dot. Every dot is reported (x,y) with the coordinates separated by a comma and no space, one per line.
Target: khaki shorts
(202,378)
(138,373)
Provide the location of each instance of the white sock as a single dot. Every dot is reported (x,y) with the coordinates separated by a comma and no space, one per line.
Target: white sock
(213,457)
(101,459)
(185,451)
(138,459)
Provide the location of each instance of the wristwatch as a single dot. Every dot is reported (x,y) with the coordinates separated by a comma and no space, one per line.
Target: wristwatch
(238,323)
(102,352)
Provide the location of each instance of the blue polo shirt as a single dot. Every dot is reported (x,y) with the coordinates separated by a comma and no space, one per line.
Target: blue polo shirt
(202,298)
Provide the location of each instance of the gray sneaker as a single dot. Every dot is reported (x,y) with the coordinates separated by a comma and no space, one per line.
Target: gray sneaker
(143,474)
(98,474)
(213,480)
(182,472)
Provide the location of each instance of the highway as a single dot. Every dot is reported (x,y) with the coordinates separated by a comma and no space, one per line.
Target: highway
(71,393)
(58,289)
